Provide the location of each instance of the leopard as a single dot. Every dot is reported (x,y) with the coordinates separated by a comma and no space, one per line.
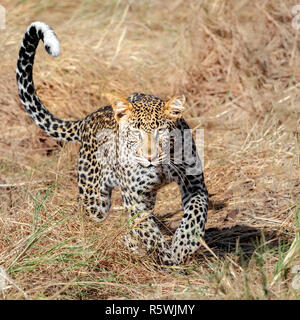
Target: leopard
(137,144)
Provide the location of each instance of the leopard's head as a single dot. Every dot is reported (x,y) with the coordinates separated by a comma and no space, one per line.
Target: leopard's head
(145,123)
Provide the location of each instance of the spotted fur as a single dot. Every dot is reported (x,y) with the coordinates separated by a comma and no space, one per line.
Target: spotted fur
(124,145)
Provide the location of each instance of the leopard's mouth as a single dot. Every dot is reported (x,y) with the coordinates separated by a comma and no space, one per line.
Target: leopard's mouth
(148,163)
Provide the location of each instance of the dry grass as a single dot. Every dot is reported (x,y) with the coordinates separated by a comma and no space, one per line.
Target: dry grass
(238,64)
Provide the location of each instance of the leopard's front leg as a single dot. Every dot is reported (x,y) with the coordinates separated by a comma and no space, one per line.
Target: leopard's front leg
(144,231)
(192,226)
(95,183)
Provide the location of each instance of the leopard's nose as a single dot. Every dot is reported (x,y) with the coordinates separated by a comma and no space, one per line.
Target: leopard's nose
(150,157)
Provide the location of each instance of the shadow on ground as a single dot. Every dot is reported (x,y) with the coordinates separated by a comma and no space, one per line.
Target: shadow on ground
(243,241)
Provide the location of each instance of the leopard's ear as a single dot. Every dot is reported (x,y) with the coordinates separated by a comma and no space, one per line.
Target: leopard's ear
(175,107)
(120,105)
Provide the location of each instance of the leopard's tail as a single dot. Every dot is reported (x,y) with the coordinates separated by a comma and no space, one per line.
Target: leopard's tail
(59,129)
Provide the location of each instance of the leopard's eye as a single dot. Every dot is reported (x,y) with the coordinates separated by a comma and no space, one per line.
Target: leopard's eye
(162,132)
(135,133)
